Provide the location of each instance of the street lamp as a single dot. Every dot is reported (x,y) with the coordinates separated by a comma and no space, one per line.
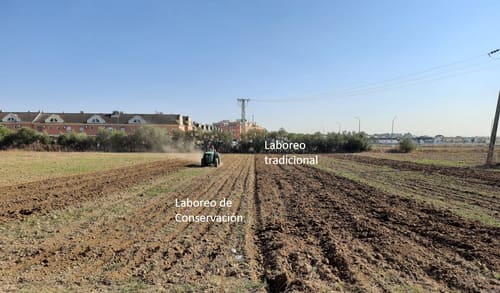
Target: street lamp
(359,124)
(392,129)
(340,126)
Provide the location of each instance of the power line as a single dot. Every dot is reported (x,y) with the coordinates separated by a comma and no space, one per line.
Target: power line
(296,99)
(372,90)
(416,73)
(415,82)
(415,78)
(434,73)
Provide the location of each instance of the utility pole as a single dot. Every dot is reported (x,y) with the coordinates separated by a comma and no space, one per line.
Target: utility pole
(491,150)
(243,103)
(359,124)
(392,129)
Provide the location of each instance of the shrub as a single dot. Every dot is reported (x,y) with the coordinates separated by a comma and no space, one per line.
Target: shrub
(119,141)
(335,142)
(407,145)
(5,137)
(315,143)
(25,136)
(75,141)
(45,139)
(357,143)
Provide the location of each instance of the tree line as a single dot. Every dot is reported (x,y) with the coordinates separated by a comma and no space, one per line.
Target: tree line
(254,141)
(152,139)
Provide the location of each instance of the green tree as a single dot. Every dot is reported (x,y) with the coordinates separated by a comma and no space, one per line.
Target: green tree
(75,141)
(25,136)
(103,140)
(253,141)
(119,141)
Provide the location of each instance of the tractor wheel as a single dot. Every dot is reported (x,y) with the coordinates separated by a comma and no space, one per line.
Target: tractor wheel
(202,162)
(216,162)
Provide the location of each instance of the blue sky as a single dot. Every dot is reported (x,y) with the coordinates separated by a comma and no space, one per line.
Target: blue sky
(197,57)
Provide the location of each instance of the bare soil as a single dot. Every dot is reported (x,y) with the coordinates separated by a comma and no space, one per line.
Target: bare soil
(304,230)
(146,246)
(25,199)
(320,231)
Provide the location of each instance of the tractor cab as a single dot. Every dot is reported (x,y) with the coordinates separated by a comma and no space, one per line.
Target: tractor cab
(211,158)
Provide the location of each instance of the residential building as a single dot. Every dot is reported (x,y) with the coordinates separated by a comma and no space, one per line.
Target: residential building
(59,123)
(236,127)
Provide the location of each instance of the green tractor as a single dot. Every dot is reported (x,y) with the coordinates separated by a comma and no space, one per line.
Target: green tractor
(211,158)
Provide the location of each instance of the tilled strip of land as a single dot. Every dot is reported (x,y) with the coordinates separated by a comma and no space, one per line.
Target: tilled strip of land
(27,199)
(219,250)
(470,174)
(148,246)
(473,200)
(321,231)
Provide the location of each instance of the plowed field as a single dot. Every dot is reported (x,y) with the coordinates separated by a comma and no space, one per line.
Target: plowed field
(325,232)
(42,196)
(305,229)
